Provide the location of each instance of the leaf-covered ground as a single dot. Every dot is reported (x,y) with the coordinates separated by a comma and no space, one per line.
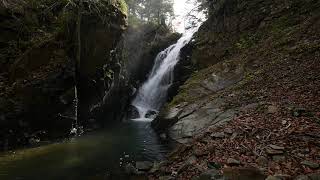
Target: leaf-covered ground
(277,129)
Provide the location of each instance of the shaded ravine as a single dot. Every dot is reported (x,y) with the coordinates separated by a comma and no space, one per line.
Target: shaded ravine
(100,155)
(104,154)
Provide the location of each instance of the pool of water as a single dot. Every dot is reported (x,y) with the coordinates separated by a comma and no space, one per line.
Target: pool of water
(99,155)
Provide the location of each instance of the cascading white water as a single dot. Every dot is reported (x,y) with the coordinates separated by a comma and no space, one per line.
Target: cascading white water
(152,95)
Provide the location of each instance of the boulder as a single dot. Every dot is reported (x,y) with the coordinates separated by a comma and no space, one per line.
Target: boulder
(130,169)
(133,113)
(151,114)
(144,165)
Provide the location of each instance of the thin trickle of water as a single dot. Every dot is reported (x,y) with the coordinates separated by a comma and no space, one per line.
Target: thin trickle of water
(153,93)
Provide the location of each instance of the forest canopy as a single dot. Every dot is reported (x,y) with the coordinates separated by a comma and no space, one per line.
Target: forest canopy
(154,11)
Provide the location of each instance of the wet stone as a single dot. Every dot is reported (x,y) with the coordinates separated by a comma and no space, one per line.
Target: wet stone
(130,169)
(214,165)
(144,165)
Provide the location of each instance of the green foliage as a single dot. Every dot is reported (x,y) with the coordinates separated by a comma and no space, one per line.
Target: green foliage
(157,11)
(123,7)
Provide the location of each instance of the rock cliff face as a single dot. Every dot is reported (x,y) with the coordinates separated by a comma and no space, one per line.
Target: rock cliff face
(39,48)
(142,45)
(254,101)
(242,51)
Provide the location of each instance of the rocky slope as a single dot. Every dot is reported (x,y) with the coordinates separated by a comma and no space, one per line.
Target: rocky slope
(253,105)
(39,45)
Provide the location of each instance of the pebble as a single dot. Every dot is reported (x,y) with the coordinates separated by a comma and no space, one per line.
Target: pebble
(218,135)
(214,165)
(275,147)
(174,173)
(228,131)
(232,161)
(270,151)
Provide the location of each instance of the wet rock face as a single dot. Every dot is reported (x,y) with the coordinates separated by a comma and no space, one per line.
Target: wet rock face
(141,46)
(101,74)
(37,67)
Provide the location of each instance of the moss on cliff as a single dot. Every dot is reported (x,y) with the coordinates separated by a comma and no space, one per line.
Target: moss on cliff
(37,55)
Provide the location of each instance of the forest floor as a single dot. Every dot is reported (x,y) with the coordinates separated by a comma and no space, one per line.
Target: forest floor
(278,133)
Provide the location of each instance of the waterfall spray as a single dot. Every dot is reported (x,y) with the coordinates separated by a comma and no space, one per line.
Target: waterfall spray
(153,93)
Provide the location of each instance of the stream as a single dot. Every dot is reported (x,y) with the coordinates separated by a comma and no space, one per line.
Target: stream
(99,155)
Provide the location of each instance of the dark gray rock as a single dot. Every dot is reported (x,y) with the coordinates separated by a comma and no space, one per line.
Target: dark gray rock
(144,165)
(130,169)
(133,113)
(151,114)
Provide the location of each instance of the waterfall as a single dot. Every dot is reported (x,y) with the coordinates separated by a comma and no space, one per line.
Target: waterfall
(153,93)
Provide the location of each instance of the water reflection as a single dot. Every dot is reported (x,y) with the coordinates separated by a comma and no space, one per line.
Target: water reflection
(94,156)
